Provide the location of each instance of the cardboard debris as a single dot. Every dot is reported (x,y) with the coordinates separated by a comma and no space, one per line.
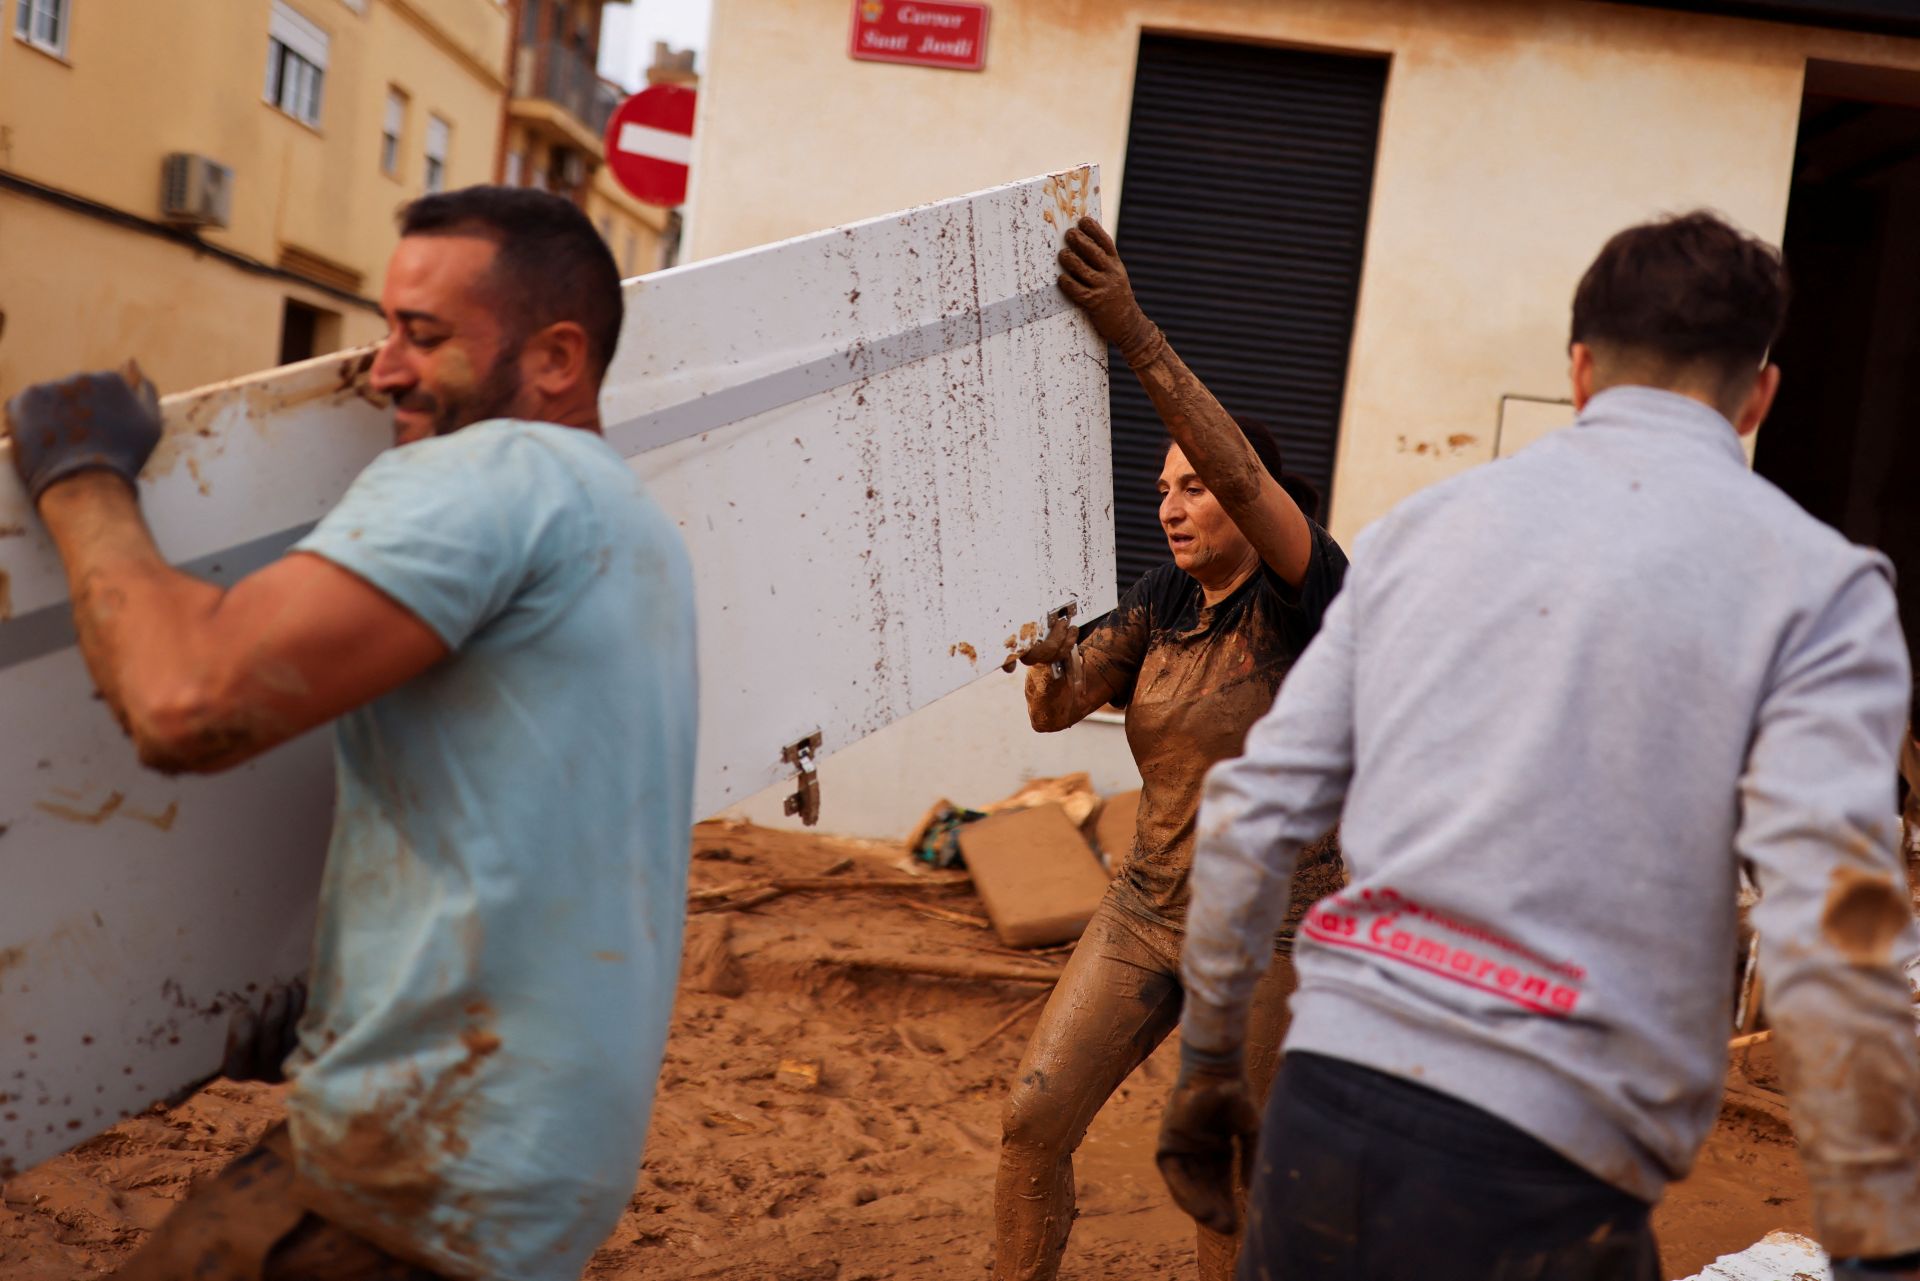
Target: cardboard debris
(1072,792)
(1111,828)
(1036,874)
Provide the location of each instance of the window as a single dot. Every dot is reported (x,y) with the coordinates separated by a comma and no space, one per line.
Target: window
(516,168)
(43,23)
(296,64)
(390,132)
(437,131)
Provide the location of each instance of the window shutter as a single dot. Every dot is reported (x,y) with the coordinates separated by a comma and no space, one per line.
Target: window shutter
(1254,288)
(298,34)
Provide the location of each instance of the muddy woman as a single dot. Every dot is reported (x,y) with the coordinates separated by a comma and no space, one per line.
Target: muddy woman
(1195,653)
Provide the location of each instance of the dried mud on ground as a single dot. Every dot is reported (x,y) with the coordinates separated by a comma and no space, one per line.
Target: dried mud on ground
(880,1168)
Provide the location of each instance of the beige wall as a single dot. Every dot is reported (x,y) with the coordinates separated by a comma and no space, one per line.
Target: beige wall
(136,84)
(1515,136)
(189,320)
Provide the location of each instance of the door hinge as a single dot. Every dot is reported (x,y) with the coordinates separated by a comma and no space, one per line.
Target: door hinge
(805,800)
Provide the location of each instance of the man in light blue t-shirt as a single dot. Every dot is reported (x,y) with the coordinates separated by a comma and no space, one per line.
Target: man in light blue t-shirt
(500,621)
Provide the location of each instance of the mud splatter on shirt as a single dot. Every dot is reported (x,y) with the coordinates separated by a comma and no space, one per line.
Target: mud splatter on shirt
(1193,679)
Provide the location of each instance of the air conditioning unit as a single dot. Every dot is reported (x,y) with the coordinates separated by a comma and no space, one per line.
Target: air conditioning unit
(196,191)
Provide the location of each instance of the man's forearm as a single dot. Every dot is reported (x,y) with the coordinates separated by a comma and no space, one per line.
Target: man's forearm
(135,617)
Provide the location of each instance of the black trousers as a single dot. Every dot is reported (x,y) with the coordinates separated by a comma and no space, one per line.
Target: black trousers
(1367,1177)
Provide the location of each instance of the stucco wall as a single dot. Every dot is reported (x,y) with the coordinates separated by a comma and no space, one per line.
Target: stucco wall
(189,319)
(136,84)
(1515,136)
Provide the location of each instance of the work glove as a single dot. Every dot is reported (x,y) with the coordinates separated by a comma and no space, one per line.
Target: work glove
(1094,280)
(104,421)
(1055,646)
(259,1040)
(1209,1118)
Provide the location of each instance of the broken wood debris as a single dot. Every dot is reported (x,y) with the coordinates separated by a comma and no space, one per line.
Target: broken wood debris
(744,894)
(942,967)
(956,918)
(1026,1007)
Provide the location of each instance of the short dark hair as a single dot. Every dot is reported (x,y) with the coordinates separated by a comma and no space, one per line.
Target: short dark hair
(551,264)
(1687,291)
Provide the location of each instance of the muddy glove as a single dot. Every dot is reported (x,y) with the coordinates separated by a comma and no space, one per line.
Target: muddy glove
(259,1040)
(106,421)
(1095,281)
(1209,1118)
(1055,647)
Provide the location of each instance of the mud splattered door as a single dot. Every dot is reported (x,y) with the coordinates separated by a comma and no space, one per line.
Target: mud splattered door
(886,445)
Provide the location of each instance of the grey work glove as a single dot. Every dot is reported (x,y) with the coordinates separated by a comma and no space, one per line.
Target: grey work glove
(1208,1120)
(1095,280)
(259,1040)
(103,421)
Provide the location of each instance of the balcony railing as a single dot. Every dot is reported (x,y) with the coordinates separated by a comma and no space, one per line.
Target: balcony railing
(565,77)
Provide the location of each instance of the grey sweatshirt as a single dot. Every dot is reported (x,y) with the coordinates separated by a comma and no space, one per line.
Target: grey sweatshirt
(1560,700)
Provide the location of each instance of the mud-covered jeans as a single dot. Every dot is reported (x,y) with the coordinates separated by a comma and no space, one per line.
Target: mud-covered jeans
(1366,1177)
(248,1224)
(1118,998)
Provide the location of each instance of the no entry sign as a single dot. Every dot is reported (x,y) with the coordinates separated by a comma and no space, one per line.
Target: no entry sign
(926,33)
(650,141)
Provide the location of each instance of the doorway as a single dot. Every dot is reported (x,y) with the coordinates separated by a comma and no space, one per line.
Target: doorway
(1844,436)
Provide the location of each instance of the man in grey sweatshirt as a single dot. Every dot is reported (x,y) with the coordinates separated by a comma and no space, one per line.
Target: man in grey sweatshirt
(1560,703)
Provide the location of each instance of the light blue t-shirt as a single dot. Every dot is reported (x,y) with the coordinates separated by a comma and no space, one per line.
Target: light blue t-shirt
(501,913)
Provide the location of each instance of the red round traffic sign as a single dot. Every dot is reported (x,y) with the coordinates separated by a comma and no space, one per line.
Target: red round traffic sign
(649,142)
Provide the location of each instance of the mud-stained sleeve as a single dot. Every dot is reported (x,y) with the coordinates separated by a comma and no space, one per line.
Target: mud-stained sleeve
(1099,670)
(1256,815)
(1835,923)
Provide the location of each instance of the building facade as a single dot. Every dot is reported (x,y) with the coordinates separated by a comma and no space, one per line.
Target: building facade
(1363,221)
(216,197)
(557,120)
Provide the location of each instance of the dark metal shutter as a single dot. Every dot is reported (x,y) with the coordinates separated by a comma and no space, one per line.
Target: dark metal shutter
(1242,221)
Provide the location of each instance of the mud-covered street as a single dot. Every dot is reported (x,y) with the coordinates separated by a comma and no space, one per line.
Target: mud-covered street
(880,1168)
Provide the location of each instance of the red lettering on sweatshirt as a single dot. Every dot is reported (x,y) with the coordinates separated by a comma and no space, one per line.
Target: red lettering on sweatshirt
(1384,923)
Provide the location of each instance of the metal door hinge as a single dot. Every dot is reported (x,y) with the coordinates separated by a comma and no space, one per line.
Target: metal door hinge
(806,799)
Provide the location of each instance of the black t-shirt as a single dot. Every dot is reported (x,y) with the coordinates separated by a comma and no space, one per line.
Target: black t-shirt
(1193,679)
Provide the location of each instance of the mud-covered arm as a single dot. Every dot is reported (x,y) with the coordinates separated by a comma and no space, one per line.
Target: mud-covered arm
(1818,827)
(1069,679)
(1096,281)
(1256,814)
(203,678)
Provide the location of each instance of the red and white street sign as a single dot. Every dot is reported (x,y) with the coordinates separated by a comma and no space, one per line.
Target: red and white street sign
(926,33)
(650,142)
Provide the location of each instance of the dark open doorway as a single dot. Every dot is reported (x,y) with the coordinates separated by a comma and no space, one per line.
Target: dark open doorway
(1844,438)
